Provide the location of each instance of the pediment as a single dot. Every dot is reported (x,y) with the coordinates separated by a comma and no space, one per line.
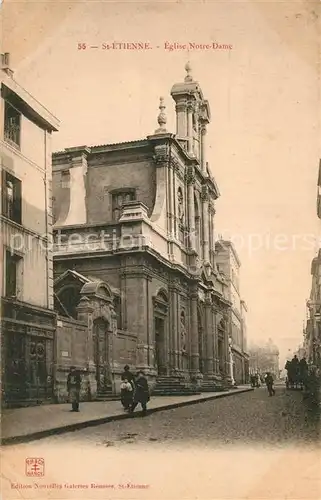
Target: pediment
(70,278)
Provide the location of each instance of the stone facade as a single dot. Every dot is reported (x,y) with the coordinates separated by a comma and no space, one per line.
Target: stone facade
(28,317)
(229,263)
(312,340)
(134,253)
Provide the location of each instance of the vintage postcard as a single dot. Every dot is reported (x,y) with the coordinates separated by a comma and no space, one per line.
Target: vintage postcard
(160,249)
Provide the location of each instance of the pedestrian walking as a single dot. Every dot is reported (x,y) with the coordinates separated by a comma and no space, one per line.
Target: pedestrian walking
(126,394)
(73,386)
(269,384)
(141,393)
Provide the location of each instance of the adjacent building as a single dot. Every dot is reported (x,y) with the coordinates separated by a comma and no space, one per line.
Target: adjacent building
(135,260)
(312,338)
(229,264)
(312,331)
(28,317)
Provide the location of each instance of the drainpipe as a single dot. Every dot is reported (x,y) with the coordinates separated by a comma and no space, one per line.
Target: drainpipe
(46,221)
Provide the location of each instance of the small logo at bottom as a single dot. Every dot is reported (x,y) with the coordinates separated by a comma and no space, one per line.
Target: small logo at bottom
(35,467)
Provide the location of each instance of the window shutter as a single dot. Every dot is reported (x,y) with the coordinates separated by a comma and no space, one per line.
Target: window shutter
(17,201)
(4,192)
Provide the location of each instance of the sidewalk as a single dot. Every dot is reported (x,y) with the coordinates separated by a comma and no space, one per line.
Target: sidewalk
(27,424)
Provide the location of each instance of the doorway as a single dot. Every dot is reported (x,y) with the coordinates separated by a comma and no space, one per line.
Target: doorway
(15,380)
(159,326)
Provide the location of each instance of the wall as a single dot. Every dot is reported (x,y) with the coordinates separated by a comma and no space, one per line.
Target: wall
(70,350)
(102,179)
(32,142)
(31,165)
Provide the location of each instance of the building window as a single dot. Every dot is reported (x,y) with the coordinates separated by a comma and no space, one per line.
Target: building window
(11,197)
(118,200)
(13,262)
(12,124)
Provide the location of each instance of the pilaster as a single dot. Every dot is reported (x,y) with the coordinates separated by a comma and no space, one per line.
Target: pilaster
(173,329)
(190,128)
(190,180)
(137,305)
(212,234)
(209,333)
(205,209)
(193,334)
(203,147)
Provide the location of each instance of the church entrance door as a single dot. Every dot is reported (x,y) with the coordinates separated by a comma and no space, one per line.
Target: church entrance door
(160,346)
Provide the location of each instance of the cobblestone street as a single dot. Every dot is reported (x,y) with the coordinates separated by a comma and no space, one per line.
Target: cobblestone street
(267,446)
(251,418)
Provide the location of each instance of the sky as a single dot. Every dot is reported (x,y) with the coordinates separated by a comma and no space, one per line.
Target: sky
(263,139)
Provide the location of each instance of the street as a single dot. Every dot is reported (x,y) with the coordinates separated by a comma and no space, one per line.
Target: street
(245,446)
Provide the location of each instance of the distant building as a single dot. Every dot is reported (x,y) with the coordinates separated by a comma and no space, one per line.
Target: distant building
(229,264)
(264,358)
(28,317)
(300,352)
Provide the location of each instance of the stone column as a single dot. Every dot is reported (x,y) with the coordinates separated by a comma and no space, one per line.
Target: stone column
(181,125)
(203,148)
(215,341)
(190,129)
(173,328)
(227,347)
(209,334)
(205,202)
(137,303)
(190,179)
(212,234)
(193,335)
(171,200)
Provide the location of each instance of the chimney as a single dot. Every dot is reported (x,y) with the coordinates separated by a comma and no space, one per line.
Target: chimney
(5,64)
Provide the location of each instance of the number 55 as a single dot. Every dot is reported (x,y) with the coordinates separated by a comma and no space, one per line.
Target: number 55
(81,46)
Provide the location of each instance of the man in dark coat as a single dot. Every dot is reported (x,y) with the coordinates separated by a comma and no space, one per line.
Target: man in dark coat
(73,386)
(269,384)
(141,394)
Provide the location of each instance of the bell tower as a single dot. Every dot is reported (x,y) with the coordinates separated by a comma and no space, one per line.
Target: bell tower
(192,117)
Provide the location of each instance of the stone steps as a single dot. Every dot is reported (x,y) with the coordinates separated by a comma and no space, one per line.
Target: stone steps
(166,386)
(107,395)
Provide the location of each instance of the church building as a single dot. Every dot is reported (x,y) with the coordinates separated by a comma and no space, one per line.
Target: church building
(134,256)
